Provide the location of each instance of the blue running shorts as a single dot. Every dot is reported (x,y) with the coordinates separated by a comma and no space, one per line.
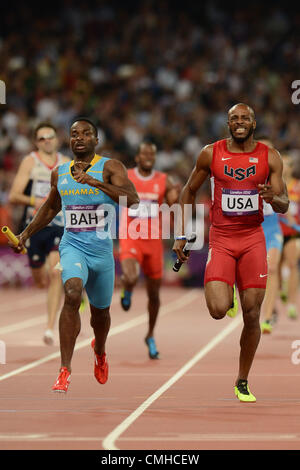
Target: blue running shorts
(272,231)
(97,273)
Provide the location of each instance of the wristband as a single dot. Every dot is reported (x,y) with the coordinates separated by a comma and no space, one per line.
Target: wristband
(180,237)
(32,201)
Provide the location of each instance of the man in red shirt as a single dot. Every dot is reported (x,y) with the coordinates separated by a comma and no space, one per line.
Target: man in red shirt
(145,251)
(243,173)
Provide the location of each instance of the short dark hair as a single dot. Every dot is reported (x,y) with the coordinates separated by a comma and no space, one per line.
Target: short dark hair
(147,142)
(41,125)
(86,119)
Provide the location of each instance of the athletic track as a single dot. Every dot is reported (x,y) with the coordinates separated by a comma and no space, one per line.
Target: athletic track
(185,400)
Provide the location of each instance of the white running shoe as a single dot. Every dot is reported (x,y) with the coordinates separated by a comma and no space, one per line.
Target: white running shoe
(48,337)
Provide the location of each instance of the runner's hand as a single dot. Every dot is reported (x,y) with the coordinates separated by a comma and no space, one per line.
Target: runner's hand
(17,248)
(178,249)
(266,192)
(82,177)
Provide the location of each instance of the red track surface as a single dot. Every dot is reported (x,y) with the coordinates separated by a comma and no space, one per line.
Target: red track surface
(193,410)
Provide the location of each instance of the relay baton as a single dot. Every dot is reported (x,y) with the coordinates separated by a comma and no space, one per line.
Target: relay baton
(11,236)
(187,247)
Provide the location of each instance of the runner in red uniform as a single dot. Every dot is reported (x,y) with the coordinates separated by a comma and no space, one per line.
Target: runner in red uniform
(243,173)
(140,241)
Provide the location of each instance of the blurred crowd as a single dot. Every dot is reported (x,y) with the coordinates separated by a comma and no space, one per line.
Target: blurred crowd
(146,69)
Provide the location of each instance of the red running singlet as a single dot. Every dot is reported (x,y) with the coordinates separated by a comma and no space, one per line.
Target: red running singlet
(237,248)
(144,242)
(234,180)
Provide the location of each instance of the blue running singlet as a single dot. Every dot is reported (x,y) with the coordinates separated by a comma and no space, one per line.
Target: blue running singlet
(86,248)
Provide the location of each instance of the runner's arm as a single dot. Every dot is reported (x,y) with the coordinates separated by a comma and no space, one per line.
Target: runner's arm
(275,193)
(16,194)
(172,191)
(45,214)
(188,195)
(115,183)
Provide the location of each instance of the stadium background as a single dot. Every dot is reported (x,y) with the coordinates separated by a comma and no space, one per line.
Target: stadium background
(143,69)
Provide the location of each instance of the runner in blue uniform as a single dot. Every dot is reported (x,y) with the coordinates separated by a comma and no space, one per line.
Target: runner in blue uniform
(274,245)
(87,189)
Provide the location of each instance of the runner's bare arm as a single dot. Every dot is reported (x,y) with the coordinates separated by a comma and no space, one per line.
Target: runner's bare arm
(275,193)
(46,212)
(16,194)
(189,192)
(115,183)
(172,191)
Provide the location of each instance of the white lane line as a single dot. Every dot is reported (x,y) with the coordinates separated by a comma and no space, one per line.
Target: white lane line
(170,307)
(7,308)
(257,437)
(109,442)
(14,305)
(34,321)
(24,324)
(229,437)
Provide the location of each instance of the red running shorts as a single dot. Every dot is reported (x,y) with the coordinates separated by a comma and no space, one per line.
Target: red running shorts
(237,256)
(148,253)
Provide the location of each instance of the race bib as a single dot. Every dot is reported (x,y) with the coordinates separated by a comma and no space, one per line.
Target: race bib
(240,202)
(84,218)
(146,209)
(41,189)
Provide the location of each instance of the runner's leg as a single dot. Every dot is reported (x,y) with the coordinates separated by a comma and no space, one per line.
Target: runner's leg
(100,322)
(251,300)
(69,321)
(55,289)
(153,289)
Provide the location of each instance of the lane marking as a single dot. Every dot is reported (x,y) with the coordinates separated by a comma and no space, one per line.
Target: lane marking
(249,437)
(109,442)
(24,324)
(38,299)
(13,305)
(215,437)
(34,321)
(170,307)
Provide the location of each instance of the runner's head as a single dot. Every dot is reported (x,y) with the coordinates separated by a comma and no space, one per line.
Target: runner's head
(45,138)
(83,137)
(145,158)
(241,122)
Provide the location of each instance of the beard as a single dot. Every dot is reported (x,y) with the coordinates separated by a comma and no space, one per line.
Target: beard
(82,154)
(240,140)
(146,168)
